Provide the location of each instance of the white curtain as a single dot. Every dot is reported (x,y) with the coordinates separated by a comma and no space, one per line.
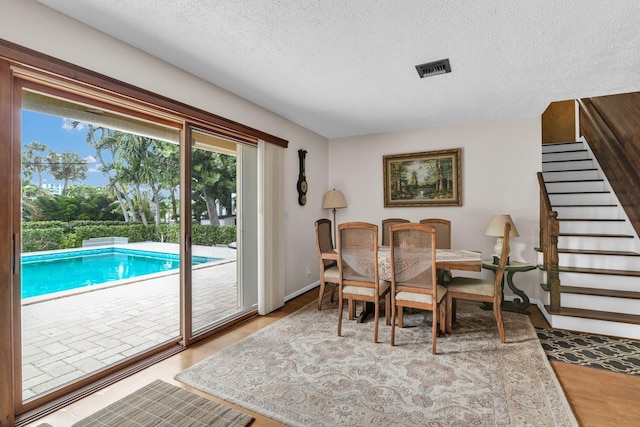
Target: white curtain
(270,227)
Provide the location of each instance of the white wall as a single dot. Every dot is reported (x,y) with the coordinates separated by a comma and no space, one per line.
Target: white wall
(30,24)
(499,165)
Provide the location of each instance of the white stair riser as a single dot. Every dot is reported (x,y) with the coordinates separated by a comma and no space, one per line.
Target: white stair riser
(600,281)
(559,168)
(597,243)
(553,148)
(571,175)
(592,326)
(593,227)
(594,302)
(591,212)
(567,166)
(575,186)
(607,262)
(580,199)
(566,155)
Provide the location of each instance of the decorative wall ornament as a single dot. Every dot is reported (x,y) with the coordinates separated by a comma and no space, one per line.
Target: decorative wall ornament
(302,180)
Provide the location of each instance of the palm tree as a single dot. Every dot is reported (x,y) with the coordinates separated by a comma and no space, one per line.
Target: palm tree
(67,167)
(33,162)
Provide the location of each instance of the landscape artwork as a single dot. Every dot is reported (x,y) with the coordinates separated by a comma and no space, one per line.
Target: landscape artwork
(430,178)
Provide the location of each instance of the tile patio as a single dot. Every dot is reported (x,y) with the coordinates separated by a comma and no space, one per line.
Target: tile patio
(66,338)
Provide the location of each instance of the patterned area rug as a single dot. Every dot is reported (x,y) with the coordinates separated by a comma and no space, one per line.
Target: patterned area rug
(165,405)
(300,373)
(596,351)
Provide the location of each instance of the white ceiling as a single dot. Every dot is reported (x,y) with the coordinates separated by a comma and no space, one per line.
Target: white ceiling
(347,67)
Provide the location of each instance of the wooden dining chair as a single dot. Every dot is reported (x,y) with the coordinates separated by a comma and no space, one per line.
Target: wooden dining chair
(328,258)
(477,289)
(413,276)
(358,270)
(386,223)
(443,241)
(443,231)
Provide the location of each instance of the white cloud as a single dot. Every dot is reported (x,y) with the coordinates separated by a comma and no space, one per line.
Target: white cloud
(93,164)
(69,124)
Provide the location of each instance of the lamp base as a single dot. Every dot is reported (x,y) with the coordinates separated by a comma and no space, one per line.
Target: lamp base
(496,260)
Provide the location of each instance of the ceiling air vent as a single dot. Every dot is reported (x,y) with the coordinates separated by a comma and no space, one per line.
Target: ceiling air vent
(434,68)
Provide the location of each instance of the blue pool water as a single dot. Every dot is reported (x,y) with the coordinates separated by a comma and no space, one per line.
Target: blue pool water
(61,271)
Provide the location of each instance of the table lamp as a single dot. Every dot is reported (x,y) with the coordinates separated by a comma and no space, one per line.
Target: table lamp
(334,199)
(496,229)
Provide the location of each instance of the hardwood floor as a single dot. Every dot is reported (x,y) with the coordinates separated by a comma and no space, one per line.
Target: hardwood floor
(598,398)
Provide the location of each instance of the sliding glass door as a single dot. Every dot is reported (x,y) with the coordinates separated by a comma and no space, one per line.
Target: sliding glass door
(223,230)
(100,263)
(123,254)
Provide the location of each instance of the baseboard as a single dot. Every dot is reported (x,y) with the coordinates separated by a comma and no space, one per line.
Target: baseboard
(302,291)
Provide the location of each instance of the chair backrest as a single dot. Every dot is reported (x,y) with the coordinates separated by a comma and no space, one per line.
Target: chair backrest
(413,256)
(324,241)
(358,254)
(443,231)
(503,261)
(386,223)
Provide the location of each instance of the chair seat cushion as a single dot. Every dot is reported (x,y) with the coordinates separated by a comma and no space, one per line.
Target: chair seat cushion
(368,292)
(422,298)
(471,285)
(332,274)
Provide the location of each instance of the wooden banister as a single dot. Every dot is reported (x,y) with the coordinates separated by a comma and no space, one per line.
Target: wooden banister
(549,231)
(609,124)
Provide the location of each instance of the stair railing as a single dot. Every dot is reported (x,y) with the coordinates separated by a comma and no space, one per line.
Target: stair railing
(549,232)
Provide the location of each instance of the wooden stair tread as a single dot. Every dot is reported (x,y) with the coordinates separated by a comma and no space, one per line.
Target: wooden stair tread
(566,160)
(586,206)
(593,219)
(596,315)
(556,144)
(631,273)
(574,180)
(591,252)
(572,170)
(600,292)
(579,192)
(599,271)
(594,235)
(597,252)
(579,150)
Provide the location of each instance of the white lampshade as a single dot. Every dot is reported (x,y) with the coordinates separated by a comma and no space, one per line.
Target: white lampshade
(496,226)
(496,229)
(334,199)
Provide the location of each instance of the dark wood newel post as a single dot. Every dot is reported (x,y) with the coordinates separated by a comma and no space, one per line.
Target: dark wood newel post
(553,270)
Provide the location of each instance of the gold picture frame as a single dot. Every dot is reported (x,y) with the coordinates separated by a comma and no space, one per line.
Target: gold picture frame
(429,178)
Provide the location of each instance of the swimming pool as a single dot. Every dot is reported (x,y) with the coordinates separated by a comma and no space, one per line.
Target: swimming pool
(60,271)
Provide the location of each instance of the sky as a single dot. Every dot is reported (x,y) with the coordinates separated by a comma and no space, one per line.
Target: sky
(51,131)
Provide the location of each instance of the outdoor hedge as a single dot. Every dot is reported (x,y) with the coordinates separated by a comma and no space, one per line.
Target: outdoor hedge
(50,235)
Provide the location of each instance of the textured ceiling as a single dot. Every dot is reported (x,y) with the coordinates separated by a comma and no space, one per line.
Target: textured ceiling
(343,68)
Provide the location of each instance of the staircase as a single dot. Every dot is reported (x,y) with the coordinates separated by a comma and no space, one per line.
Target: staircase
(598,258)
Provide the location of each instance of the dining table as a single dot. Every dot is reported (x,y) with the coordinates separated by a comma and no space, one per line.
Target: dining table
(446,259)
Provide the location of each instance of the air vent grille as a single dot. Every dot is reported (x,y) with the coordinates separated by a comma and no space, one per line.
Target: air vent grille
(434,68)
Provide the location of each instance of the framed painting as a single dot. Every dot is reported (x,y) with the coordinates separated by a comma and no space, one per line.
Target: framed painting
(430,178)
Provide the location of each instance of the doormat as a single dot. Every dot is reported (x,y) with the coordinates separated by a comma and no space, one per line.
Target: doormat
(160,404)
(596,351)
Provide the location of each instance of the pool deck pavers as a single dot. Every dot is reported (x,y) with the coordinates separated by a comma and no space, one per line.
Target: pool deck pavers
(66,338)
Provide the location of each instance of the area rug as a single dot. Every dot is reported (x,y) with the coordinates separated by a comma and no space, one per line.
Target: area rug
(165,405)
(595,351)
(299,372)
